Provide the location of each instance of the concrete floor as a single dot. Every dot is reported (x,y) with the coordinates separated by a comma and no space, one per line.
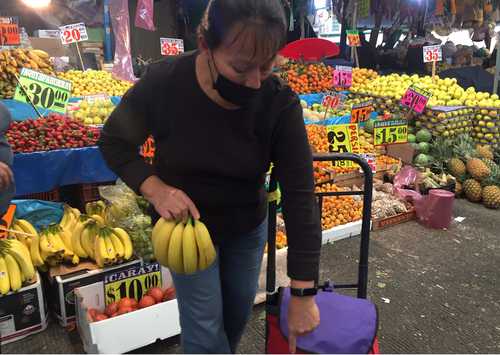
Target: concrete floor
(436,291)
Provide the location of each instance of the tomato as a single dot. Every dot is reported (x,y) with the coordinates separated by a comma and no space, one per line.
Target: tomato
(146,301)
(156,293)
(123,310)
(125,302)
(111,308)
(100,316)
(169,294)
(92,313)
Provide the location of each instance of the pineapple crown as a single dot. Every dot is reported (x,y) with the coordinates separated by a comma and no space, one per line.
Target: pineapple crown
(464,147)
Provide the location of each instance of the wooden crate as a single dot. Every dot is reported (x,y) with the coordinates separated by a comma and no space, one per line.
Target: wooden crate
(383,223)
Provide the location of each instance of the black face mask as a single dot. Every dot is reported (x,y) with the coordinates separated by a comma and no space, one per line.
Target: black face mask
(239,95)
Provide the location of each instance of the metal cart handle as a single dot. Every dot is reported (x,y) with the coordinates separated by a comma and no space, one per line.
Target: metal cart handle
(362,283)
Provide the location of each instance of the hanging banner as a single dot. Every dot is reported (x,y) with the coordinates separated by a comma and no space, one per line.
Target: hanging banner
(9,31)
(144,15)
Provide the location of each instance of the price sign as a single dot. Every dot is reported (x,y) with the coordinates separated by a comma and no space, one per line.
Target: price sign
(9,31)
(416,99)
(73,33)
(148,150)
(171,46)
(45,91)
(361,112)
(330,101)
(96,97)
(343,139)
(391,132)
(371,160)
(133,282)
(433,54)
(353,39)
(342,76)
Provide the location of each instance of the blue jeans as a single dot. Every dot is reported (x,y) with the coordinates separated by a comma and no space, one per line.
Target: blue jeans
(215,304)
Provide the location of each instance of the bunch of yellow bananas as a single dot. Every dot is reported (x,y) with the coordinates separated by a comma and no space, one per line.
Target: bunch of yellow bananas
(184,247)
(16,266)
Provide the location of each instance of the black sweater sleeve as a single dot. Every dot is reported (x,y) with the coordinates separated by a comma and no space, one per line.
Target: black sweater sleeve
(292,157)
(125,131)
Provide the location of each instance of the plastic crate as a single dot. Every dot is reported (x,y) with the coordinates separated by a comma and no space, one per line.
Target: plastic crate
(53,196)
(90,192)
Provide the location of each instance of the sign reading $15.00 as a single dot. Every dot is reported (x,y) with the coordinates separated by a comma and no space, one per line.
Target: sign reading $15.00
(132,283)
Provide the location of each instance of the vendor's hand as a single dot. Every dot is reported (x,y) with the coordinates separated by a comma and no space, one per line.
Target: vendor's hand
(6,176)
(303,318)
(169,202)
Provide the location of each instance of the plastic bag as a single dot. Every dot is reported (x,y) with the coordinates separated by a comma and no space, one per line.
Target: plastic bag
(144,15)
(39,213)
(120,17)
(124,211)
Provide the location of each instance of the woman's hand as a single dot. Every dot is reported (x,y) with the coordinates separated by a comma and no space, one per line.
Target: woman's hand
(303,318)
(169,202)
(6,176)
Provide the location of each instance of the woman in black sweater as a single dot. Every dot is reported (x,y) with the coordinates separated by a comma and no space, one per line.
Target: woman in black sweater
(219,118)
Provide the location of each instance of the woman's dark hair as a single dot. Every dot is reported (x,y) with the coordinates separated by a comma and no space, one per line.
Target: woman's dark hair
(264,20)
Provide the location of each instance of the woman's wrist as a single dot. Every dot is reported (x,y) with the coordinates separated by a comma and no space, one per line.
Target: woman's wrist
(150,186)
(301,284)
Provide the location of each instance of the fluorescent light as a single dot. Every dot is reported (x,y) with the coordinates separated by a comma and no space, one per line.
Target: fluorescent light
(37,4)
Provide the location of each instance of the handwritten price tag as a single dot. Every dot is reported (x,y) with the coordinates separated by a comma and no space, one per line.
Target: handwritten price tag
(171,46)
(390,132)
(45,91)
(361,112)
(76,32)
(330,101)
(416,99)
(343,139)
(132,283)
(433,54)
(353,39)
(342,76)
(9,31)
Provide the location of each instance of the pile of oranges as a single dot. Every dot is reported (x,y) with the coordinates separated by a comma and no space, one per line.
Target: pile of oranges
(318,139)
(362,76)
(338,210)
(384,162)
(308,78)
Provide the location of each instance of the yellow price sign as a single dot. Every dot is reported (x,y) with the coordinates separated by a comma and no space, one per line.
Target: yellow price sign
(132,283)
(343,138)
(391,132)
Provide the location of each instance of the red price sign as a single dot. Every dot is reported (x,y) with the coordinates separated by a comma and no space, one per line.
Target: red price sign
(342,76)
(171,46)
(416,99)
(9,32)
(433,54)
(353,39)
(330,101)
(73,33)
(361,112)
(371,160)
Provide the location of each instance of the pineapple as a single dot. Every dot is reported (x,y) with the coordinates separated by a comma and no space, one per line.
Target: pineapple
(458,189)
(473,190)
(491,196)
(484,151)
(456,167)
(478,169)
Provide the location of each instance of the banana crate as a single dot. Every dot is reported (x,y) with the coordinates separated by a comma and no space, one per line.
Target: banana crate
(128,331)
(23,313)
(62,280)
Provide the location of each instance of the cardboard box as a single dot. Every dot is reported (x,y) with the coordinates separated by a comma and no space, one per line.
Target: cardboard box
(63,280)
(129,331)
(52,46)
(22,313)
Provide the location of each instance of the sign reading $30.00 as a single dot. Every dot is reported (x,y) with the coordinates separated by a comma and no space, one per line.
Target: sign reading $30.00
(132,283)
(45,91)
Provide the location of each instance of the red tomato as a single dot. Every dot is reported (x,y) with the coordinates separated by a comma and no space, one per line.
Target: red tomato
(100,316)
(92,313)
(111,309)
(169,294)
(123,310)
(125,302)
(146,301)
(156,293)
(133,303)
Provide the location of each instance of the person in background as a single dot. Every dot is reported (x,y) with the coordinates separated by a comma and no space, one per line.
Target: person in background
(7,186)
(219,118)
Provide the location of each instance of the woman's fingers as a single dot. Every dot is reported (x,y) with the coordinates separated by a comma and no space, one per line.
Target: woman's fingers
(190,206)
